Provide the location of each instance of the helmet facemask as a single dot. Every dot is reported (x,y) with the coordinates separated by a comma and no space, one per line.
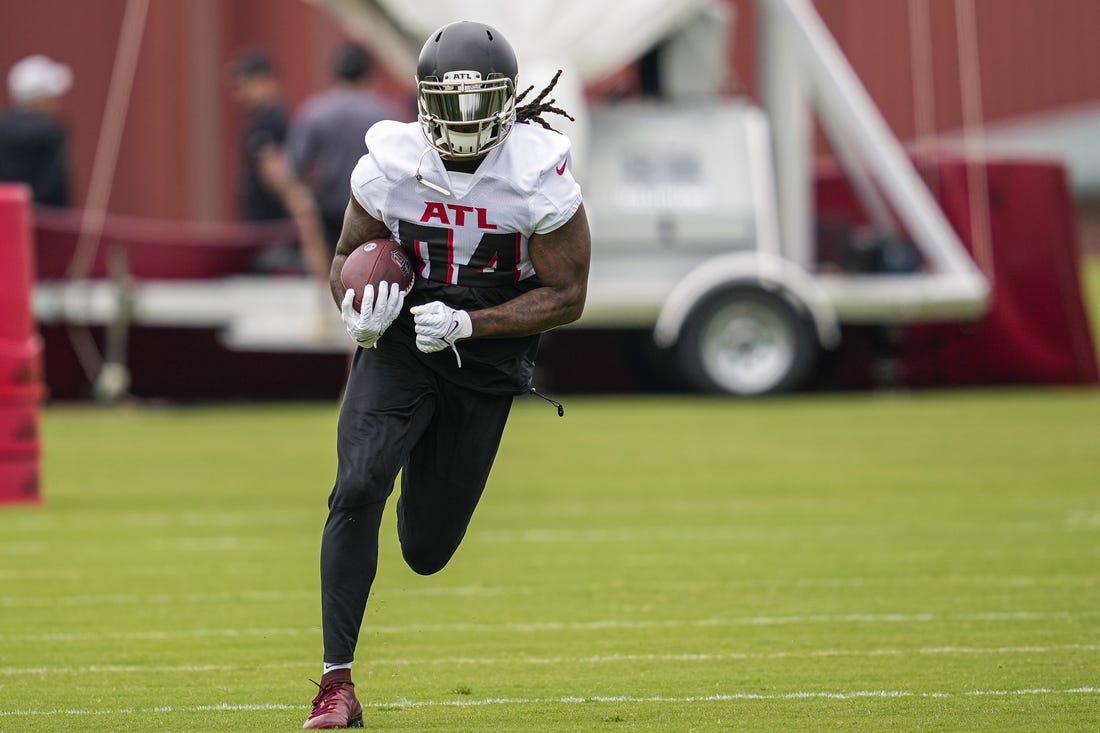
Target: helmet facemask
(464,116)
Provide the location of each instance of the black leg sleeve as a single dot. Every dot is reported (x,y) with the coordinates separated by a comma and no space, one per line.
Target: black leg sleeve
(387,405)
(349,561)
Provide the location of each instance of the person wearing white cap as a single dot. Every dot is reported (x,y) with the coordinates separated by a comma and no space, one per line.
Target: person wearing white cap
(33,141)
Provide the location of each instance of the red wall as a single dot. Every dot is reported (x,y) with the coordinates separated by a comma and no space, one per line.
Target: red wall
(178,159)
(1033,54)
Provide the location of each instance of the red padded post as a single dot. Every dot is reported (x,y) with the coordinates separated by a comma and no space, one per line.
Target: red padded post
(16,269)
(21,387)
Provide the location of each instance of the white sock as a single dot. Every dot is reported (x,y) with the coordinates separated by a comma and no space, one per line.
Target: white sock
(330,667)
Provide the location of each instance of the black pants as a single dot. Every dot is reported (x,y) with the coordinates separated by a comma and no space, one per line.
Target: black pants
(396,415)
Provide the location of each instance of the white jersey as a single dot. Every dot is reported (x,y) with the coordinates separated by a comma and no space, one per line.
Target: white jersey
(467,234)
(476,233)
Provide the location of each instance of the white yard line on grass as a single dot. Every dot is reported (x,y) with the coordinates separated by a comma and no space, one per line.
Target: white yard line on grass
(88,599)
(557,626)
(580,700)
(574,661)
(175,599)
(593,535)
(158,599)
(173,520)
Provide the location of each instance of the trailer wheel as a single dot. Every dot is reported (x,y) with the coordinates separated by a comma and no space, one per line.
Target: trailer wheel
(747,341)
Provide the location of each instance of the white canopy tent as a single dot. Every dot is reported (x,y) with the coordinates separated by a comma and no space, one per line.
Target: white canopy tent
(586,40)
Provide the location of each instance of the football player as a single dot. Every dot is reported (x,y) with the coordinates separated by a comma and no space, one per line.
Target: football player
(486,205)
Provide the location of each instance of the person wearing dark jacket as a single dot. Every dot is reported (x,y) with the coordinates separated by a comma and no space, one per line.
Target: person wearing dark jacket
(256,87)
(34,146)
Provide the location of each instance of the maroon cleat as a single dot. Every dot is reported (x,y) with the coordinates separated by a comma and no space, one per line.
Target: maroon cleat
(335,705)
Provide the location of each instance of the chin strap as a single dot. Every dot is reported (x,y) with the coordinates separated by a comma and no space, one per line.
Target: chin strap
(424,181)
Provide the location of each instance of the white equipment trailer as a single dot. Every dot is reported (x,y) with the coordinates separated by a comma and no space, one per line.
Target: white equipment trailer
(702,220)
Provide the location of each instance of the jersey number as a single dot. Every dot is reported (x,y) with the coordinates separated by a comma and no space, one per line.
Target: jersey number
(494,262)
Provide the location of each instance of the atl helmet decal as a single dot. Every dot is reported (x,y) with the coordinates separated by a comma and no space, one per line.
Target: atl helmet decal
(462,76)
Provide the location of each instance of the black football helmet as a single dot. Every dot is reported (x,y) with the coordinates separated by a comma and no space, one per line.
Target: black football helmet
(466,89)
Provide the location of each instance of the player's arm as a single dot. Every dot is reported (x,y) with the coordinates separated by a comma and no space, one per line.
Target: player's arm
(561,260)
(367,323)
(359,227)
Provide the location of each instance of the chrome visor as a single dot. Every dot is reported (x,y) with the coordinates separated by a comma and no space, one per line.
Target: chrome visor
(464,116)
(456,100)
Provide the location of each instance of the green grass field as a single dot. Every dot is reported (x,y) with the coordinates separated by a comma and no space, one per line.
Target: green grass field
(925,561)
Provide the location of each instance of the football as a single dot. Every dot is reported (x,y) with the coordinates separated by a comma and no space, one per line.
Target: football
(373,262)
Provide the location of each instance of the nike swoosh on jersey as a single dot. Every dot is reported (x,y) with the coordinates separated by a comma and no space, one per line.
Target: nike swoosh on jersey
(561,169)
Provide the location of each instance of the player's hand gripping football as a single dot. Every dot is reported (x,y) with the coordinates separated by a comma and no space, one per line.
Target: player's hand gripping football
(438,326)
(366,326)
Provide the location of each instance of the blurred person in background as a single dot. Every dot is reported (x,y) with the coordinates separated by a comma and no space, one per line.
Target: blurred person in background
(256,88)
(269,189)
(34,147)
(326,141)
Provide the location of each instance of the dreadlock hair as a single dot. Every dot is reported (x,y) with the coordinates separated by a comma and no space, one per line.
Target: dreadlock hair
(532,111)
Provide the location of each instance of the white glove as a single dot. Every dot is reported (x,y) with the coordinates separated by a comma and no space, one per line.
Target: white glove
(439,326)
(367,325)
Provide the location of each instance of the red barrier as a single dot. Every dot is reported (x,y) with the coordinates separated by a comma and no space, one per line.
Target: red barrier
(19,424)
(154,249)
(16,271)
(1036,331)
(20,476)
(21,372)
(21,388)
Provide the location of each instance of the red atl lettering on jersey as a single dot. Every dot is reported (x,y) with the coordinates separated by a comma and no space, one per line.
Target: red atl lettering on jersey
(434,210)
(439,212)
(460,213)
(483,220)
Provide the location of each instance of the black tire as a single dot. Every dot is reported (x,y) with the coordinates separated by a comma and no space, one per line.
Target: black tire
(747,341)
